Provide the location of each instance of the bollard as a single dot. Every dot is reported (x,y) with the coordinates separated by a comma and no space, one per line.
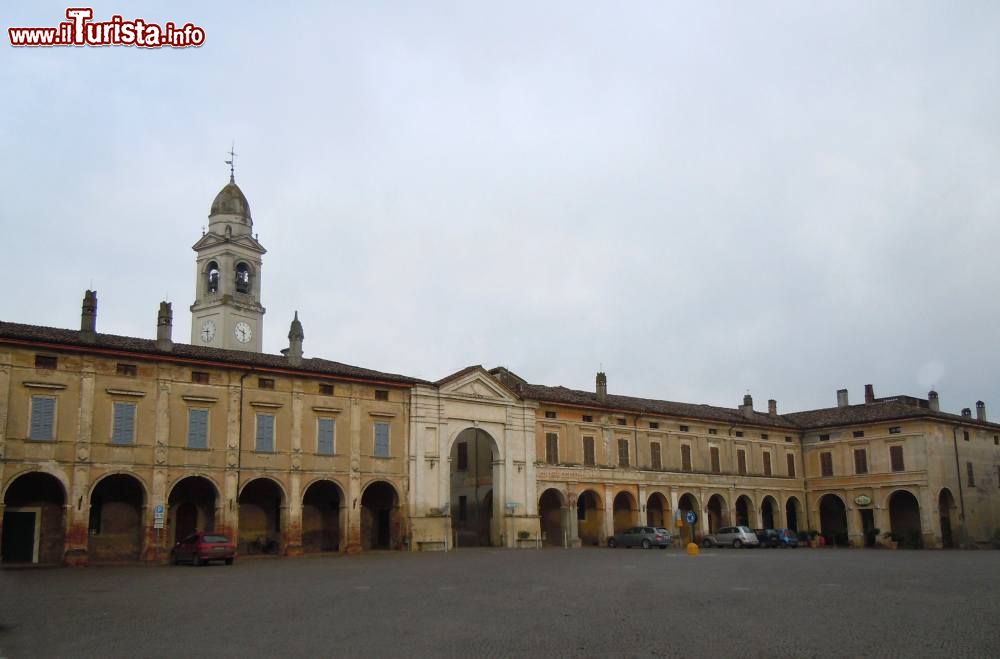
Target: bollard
(693,549)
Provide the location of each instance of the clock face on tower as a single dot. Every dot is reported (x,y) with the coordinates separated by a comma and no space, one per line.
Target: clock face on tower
(207,331)
(242,332)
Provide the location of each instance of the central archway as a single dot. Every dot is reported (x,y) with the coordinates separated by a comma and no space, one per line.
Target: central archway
(744,510)
(381,521)
(625,513)
(657,510)
(321,517)
(551,514)
(261,523)
(474,458)
(793,511)
(34,520)
(833,519)
(718,515)
(590,518)
(116,506)
(767,509)
(192,506)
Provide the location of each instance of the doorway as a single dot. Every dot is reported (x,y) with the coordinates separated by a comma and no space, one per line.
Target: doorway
(868,526)
(20,536)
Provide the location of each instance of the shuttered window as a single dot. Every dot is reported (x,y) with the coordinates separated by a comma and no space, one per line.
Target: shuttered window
(123,424)
(265,433)
(325,429)
(654,456)
(685,457)
(860,461)
(969,473)
(767,464)
(623,453)
(43,417)
(896,458)
(197,428)
(716,463)
(589,458)
(381,440)
(741,461)
(552,448)
(826,463)
(790,459)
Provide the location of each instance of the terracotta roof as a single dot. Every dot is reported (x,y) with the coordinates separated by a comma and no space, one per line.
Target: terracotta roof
(71,339)
(880,410)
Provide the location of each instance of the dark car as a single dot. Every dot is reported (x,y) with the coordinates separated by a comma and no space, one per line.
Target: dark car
(641,536)
(200,548)
(768,537)
(787,538)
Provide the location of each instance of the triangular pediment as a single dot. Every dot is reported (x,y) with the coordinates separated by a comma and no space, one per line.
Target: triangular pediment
(475,382)
(213,240)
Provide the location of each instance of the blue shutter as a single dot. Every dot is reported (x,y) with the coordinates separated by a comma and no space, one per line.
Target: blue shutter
(382,440)
(197,428)
(43,417)
(265,433)
(123,425)
(324,439)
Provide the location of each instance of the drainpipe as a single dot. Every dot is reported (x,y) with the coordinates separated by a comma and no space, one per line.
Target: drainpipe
(239,439)
(958,475)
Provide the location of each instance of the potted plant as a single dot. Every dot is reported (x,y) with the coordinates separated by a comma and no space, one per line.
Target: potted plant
(890,540)
(813,535)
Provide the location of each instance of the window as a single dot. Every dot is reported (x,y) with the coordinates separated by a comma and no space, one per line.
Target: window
(860,461)
(242,278)
(43,418)
(265,383)
(123,423)
(128,370)
(381,440)
(716,464)
(896,458)
(788,438)
(549,414)
(197,428)
(463,456)
(713,431)
(326,430)
(894,430)
(684,428)
(381,394)
(970,476)
(463,508)
(790,460)
(45,361)
(326,389)
(199,377)
(767,463)
(623,452)
(654,425)
(741,461)
(654,456)
(998,475)
(859,433)
(685,457)
(996,440)
(552,448)
(826,463)
(587,418)
(824,438)
(588,452)
(965,435)
(763,435)
(265,434)
(212,276)
(621,421)
(739,433)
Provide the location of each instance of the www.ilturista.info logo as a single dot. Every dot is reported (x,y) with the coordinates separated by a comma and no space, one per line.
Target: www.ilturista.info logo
(80,30)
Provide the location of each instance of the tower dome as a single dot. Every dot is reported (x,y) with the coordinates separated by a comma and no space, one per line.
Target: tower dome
(231,201)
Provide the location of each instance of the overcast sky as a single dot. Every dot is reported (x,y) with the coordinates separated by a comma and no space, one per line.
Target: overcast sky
(703,198)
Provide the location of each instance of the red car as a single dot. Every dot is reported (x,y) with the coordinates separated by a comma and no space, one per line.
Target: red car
(200,548)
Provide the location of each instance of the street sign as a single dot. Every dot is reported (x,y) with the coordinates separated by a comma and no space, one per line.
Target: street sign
(691,517)
(158,523)
(158,509)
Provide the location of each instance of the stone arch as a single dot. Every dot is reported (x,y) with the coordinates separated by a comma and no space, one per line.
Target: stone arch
(193,504)
(117,511)
(381,518)
(793,513)
(122,472)
(323,501)
(768,512)
(717,512)
(34,519)
(244,276)
(624,510)
(54,473)
(475,474)
(590,517)
(745,512)
(212,274)
(552,511)
(657,509)
(833,519)
(261,502)
(947,517)
(904,518)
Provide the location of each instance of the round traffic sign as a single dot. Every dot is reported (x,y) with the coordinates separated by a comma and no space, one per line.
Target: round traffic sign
(691,517)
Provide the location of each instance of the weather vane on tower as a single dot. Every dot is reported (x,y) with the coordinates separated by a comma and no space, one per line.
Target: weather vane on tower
(232,162)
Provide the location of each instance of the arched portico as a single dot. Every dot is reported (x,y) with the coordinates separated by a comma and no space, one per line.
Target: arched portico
(657,510)
(947,518)
(793,513)
(323,516)
(590,518)
(475,468)
(116,529)
(904,518)
(833,519)
(553,516)
(625,511)
(34,519)
(745,512)
(261,520)
(381,518)
(717,513)
(768,512)
(192,505)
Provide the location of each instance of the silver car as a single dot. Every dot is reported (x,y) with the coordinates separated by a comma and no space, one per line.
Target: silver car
(641,536)
(732,536)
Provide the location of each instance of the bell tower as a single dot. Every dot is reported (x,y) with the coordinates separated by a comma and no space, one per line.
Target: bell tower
(227,312)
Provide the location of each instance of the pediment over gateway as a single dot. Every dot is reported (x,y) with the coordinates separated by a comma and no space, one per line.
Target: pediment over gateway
(475,382)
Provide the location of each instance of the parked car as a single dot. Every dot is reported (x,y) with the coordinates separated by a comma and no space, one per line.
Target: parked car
(787,538)
(731,536)
(200,548)
(767,537)
(641,536)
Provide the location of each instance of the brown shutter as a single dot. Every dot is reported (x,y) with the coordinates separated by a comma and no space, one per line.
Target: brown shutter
(741,460)
(716,467)
(685,457)
(767,464)
(896,457)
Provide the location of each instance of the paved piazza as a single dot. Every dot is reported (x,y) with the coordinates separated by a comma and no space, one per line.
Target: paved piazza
(491,602)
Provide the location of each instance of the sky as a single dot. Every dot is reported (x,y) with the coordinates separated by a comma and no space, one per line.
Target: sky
(703,199)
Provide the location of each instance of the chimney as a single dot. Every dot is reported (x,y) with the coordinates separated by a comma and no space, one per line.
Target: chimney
(842,397)
(165,327)
(869,394)
(747,406)
(88,317)
(966,412)
(932,401)
(980,411)
(295,335)
(602,387)
(772,407)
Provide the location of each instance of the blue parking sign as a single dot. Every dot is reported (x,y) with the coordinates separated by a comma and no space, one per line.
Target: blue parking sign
(691,517)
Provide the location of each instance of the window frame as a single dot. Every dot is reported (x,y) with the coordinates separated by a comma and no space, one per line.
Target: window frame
(623,444)
(861,452)
(274,432)
(656,456)
(741,461)
(113,438)
(333,434)
(593,451)
(896,450)
(388,439)
(552,448)
(790,464)
(687,458)
(826,464)
(31,418)
(208,416)
(767,466)
(715,459)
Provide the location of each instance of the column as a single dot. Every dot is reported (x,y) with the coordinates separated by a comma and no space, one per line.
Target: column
(573,534)
(77,536)
(293,519)
(609,513)
(354,481)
